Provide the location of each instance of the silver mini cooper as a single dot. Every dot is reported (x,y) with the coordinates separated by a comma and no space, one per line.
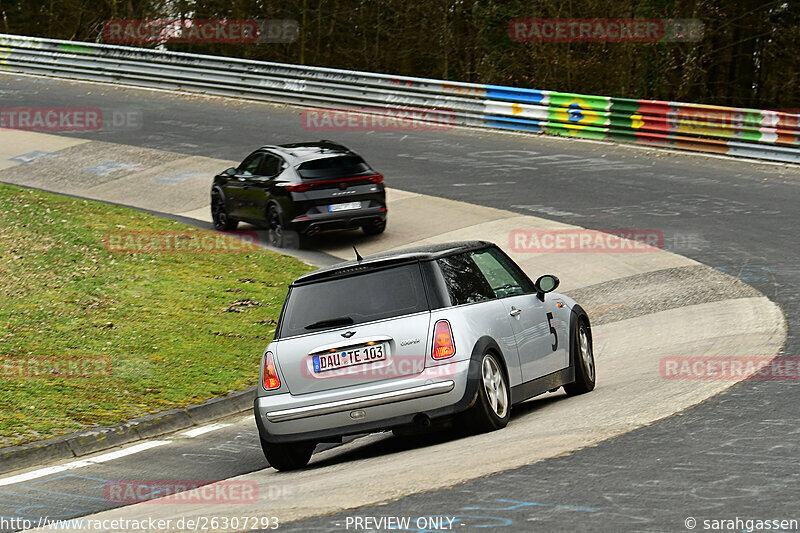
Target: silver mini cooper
(398,339)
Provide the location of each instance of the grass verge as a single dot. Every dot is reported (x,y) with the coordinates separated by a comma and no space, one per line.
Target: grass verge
(90,336)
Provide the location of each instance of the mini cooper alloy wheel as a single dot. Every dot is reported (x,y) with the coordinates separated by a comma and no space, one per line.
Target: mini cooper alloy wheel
(495,386)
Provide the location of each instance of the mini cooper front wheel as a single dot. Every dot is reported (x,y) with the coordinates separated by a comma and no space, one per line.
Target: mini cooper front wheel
(583,360)
(492,408)
(290,456)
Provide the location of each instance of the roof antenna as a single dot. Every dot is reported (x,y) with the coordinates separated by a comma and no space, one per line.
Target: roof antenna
(358,255)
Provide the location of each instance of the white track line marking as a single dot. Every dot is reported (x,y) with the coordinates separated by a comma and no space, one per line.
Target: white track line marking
(196,432)
(42,472)
(34,474)
(127,451)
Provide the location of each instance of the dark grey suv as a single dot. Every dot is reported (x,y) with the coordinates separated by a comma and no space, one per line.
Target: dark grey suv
(301,187)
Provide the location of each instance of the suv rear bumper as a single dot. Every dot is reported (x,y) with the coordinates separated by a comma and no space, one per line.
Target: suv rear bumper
(314,222)
(438,391)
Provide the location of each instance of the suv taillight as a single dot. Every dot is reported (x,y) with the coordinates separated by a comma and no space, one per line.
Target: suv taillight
(271,380)
(304,187)
(443,344)
(300,187)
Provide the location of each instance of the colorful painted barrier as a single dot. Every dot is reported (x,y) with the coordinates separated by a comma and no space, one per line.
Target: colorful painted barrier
(721,130)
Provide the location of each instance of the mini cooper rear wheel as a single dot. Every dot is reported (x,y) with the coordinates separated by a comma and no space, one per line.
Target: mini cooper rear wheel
(219,214)
(290,456)
(583,359)
(492,408)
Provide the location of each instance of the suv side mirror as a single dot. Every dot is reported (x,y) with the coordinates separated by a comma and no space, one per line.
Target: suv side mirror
(545,284)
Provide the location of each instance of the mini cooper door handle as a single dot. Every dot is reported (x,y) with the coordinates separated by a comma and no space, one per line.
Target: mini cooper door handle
(515,311)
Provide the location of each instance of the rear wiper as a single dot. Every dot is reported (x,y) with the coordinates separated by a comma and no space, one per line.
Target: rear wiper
(331,322)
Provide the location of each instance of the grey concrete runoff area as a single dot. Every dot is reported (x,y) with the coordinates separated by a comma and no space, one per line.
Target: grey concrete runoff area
(641,453)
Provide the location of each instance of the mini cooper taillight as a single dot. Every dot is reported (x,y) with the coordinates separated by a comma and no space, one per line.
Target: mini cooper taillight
(443,343)
(271,380)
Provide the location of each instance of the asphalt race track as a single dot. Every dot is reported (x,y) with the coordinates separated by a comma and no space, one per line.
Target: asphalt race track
(732,456)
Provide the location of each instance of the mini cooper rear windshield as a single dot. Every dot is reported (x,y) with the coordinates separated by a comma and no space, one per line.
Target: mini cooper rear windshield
(343,302)
(333,167)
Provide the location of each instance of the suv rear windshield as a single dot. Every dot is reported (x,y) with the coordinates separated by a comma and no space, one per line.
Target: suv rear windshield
(333,167)
(343,302)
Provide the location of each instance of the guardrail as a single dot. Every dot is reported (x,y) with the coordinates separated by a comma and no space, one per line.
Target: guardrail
(752,133)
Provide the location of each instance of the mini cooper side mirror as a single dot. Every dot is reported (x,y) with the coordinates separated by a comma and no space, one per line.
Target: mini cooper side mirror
(545,284)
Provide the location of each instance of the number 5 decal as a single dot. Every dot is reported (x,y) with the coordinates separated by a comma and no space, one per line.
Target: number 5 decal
(552,330)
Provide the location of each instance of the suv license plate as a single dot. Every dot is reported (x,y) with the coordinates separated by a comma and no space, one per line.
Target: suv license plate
(351,357)
(344,207)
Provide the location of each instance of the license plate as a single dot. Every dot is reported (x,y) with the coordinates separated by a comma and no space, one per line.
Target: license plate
(344,207)
(349,357)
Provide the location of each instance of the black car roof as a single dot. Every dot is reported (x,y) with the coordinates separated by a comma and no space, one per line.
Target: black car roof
(383,259)
(307,151)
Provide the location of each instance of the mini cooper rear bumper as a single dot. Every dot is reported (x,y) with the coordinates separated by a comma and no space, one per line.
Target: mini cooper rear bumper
(329,415)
